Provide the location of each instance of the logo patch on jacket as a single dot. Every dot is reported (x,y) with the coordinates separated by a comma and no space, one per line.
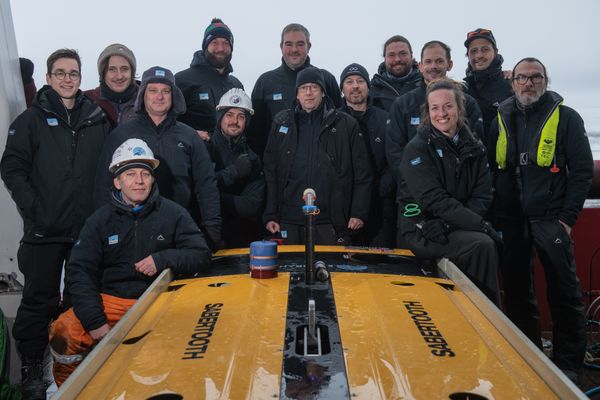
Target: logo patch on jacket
(415,120)
(203,96)
(415,161)
(283,129)
(11,132)
(52,121)
(113,239)
(277,96)
(440,152)
(378,139)
(160,237)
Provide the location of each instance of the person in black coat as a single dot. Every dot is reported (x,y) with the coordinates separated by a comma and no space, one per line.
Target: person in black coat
(186,175)
(379,230)
(275,90)
(445,191)
(48,165)
(238,171)
(315,146)
(208,78)
(396,75)
(543,170)
(122,248)
(485,79)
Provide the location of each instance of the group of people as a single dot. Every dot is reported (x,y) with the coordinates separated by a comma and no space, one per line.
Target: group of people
(132,177)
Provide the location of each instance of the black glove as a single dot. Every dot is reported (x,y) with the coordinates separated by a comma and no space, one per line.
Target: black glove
(435,230)
(214,237)
(243,166)
(487,228)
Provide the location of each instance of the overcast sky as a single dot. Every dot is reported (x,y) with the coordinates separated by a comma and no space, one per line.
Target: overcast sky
(563,34)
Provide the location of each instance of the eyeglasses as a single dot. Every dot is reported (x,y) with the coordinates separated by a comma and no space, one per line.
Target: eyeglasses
(154,92)
(309,87)
(535,79)
(60,75)
(479,32)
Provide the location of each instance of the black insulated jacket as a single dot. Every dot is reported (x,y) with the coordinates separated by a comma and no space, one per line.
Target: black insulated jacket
(49,165)
(115,237)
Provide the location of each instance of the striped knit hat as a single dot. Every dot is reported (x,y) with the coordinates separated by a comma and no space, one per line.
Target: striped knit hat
(217,29)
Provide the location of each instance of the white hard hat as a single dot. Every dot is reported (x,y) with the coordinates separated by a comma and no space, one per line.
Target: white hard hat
(236,98)
(132,151)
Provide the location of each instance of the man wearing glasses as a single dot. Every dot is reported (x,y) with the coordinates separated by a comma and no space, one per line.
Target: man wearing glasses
(315,146)
(48,165)
(543,171)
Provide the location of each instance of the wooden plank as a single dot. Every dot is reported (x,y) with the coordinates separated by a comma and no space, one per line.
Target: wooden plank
(562,386)
(92,363)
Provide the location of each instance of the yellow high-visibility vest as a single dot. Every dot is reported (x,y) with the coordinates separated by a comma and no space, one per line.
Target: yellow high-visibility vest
(546,145)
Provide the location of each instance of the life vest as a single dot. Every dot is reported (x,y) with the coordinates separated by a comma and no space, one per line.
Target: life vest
(546,140)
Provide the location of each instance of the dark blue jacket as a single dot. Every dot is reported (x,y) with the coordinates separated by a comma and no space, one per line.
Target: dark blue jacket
(202,87)
(115,237)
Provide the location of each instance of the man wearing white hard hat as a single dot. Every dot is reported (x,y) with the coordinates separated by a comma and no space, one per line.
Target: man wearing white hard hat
(122,248)
(238,170)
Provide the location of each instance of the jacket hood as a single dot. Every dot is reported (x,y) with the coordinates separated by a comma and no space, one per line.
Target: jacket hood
(178,101)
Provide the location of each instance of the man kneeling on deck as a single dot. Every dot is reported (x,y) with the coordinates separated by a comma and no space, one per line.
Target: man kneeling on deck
(122,247)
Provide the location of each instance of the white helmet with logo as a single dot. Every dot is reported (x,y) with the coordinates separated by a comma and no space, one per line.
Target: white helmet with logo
(236,98)
(132,152)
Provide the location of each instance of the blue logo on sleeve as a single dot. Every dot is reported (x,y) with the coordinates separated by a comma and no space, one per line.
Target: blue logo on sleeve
(203,96)
(114,239)
(277,96)
(440,152)
(415,120)
(415,161)
(11,132)
(283,129)
(52,121)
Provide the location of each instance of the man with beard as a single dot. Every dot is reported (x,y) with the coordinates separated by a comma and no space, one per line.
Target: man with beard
(380,226)
(543,171)
(315,146)
(275,90)
(396,75)
(485,79)
(48,165)
(208,78)
(238,171)
(186,175)
(118,88)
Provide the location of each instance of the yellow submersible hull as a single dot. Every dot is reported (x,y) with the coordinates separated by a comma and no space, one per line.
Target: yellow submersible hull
(379,325)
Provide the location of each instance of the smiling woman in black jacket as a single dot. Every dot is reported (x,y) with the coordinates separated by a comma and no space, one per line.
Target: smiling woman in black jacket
(445,191)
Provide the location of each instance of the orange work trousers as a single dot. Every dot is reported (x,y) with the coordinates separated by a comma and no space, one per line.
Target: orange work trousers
(69,338)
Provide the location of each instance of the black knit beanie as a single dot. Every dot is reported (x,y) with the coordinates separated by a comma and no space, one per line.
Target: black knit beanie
(310,75)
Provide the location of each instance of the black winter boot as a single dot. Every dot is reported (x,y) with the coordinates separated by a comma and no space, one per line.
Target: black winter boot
(32,379)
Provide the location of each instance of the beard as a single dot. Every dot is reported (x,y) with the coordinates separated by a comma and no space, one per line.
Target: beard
(217,62)
(527,99)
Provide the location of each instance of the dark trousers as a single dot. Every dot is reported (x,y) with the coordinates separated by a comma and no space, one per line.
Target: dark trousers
(474,253)
(555,250)
(41,264)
